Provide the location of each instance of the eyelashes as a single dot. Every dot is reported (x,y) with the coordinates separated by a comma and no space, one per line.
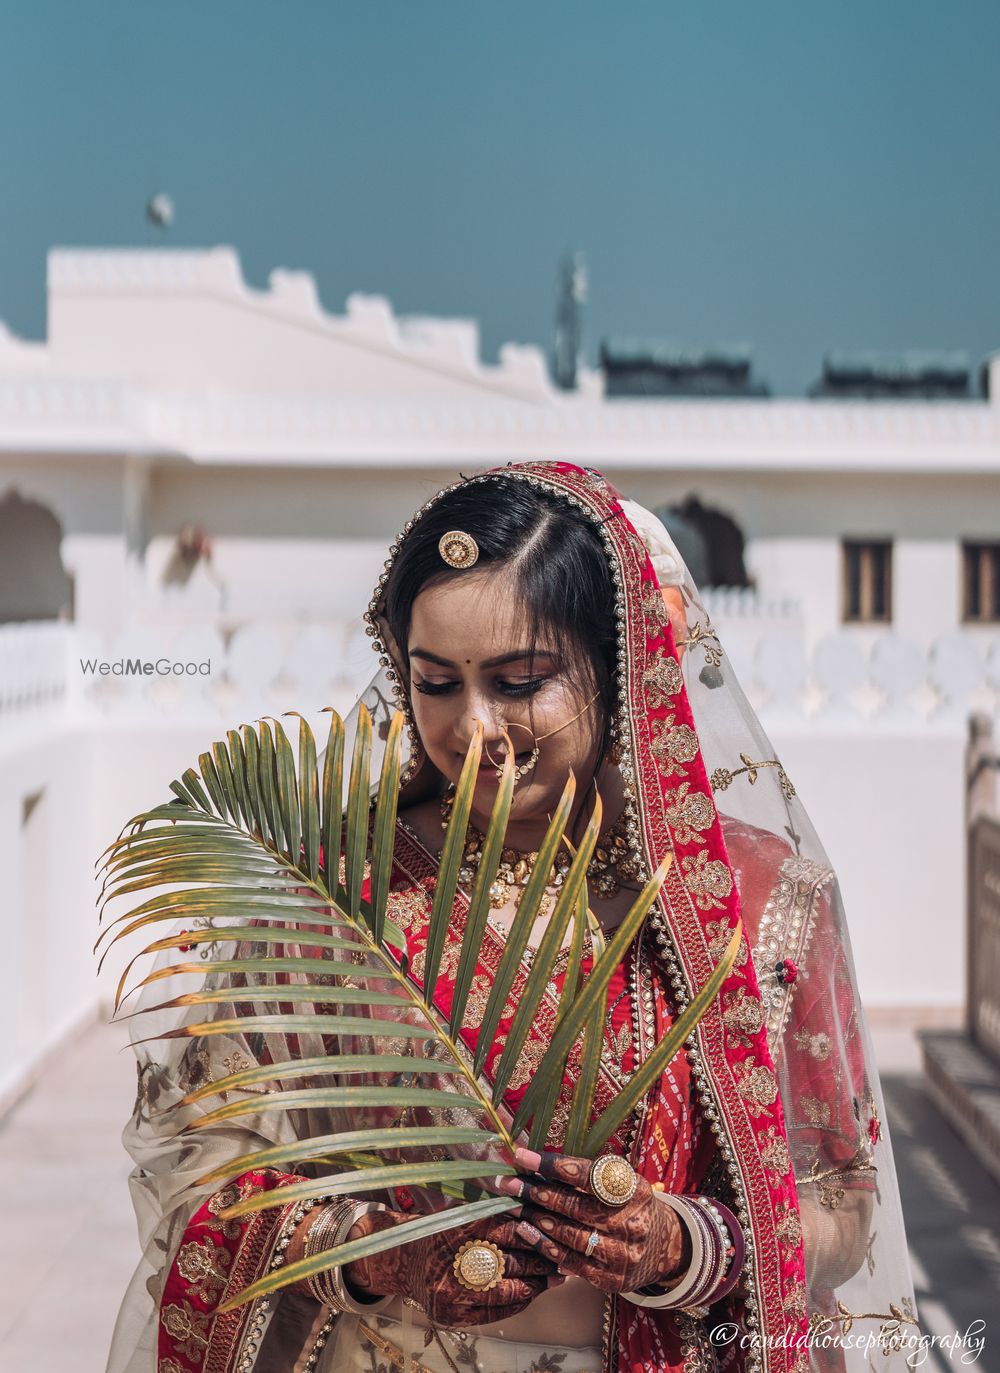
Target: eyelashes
(515,690)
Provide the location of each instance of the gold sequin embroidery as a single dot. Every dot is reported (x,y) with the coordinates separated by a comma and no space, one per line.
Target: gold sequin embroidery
(707,879)
(688,813)
(662,679)
(673,745)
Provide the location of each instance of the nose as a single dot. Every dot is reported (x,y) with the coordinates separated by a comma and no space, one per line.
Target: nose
(477,709)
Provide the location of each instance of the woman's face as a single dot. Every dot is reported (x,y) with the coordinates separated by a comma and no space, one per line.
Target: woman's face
(471,658)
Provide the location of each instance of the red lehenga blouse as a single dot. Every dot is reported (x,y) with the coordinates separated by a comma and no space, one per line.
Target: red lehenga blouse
(773,1107)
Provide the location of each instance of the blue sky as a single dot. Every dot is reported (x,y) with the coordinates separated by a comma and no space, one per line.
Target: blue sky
(798,176)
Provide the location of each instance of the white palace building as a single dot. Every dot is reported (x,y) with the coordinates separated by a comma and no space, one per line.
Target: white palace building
(195,471)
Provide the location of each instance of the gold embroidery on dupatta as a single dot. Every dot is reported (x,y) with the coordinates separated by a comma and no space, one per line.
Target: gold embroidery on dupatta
(704,636)
(203,1267)
(816,1045)
(719,933)
(707,879)
(742,1015)
(795,1299)
(775,1153)
(654,608)
(662,679)
(789,1226)
(757,1085)
(688,813)
(673,746)
(188,1329)
(723,778)
(816,1111)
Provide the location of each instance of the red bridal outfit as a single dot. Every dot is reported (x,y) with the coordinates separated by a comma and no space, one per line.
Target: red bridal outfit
(774,1108)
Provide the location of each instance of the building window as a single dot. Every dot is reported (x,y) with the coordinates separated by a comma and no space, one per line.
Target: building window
(981,583)
(867,581)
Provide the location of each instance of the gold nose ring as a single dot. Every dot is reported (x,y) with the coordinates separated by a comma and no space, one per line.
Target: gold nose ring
(524,767)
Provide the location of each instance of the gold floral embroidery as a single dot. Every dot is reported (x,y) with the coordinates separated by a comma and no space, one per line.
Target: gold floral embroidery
(757,1085)
(707,880)
(789,1226)
(890,1332)
(479,995)
(203,1266)
(450,958)
(833,1182)
(816,1112)
(197,1069)
(673,745)
(743,1015)
(719,934)
(688,813)
(188,1328)
(531,1055)
(219,1201)
(795,1299)
(723,778)
(704,636)
(236,1062)
(409,907)
(662,679)
(654,608)
(775,1152)
(817,1045)
(168,1366)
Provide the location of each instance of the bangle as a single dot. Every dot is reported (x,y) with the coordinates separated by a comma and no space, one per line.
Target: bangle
(329,1230)
(713,1254)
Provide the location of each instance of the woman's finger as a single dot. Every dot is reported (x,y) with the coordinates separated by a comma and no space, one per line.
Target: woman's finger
(565,1232)
(566,1201)
(503,1234)
(565,1168)
(527,1263)
(568,1260)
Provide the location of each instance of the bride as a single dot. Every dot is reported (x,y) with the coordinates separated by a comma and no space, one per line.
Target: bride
(745,1215)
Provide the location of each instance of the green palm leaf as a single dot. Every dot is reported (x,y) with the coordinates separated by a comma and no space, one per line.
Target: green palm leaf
(287,885)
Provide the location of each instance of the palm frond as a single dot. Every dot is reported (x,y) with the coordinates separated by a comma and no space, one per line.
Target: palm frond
(270,863)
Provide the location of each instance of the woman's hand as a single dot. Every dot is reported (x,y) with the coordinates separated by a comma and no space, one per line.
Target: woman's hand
(639,1243)
(423,1271)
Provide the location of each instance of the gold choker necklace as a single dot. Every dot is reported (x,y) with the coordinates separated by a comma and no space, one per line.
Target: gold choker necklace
(613,863)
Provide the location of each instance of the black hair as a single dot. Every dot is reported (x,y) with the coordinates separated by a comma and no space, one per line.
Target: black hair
(555,555)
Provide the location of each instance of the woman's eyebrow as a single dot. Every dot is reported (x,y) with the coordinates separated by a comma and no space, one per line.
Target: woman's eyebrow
(517,656)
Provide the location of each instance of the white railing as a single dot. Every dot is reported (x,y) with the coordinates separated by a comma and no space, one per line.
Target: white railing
(34,666)
(197,670)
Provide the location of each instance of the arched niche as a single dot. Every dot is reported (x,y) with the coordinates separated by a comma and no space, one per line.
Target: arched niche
(34,584)
(710,542)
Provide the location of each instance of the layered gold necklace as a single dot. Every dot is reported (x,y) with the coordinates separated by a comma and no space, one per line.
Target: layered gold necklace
(614,863)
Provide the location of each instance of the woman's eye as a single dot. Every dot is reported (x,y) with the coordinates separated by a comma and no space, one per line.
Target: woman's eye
(523,688)
(434,688)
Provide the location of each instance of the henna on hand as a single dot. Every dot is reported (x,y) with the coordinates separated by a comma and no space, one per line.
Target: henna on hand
(422,1271)
(640,1243)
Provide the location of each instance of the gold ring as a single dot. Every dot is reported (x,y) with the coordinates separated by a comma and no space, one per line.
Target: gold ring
(613,1180)
(479,1265)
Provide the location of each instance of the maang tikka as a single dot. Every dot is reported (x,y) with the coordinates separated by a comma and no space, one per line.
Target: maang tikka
(458,549)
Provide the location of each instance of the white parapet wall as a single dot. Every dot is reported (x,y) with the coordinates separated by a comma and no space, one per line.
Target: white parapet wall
(872,741)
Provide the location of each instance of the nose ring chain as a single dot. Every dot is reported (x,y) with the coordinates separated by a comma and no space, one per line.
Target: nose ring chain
(524,768)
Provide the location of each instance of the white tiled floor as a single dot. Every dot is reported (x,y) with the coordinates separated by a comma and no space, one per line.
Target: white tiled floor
(69,1233)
